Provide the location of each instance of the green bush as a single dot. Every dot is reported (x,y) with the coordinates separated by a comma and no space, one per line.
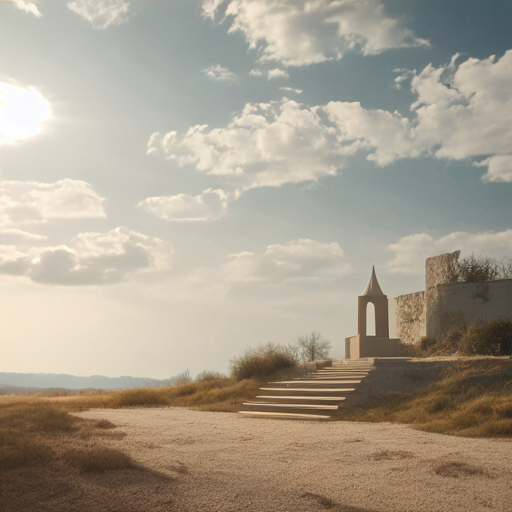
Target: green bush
(261,362)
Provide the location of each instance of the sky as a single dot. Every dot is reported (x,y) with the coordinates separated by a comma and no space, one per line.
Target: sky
(182,179)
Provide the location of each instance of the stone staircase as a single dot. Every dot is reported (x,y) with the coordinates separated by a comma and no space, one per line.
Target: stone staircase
(314,397)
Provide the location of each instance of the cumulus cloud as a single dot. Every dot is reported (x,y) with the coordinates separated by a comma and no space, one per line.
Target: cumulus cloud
(298,260)
(277,73)
(28,7)
(302,32)
(29,201)
(461,112)
(267,144)
(102,13)
(22,112)
(221,74)
(410,251)
(93,259)
(209,205)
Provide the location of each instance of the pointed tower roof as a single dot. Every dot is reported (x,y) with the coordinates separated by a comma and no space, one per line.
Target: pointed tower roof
(373,287)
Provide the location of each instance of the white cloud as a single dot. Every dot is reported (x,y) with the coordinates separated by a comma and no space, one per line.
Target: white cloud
(411,251)
(270,73)
(93,259)
(499,168)
(210,8)
(209,205)
(299,260)
(17,234)
(22,112)
(291,89)
(303,32)
(28,201)
(221,74)
(277,73)
(267,144)
(28,7)
(102,13)
(461,112)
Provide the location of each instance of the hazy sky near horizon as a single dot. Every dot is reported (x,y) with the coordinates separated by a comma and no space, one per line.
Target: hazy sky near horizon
(181,179)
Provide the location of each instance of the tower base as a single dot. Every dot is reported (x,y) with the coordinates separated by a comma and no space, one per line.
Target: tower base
(371,346)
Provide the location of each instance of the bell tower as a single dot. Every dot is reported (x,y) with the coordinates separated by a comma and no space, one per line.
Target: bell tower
(380,345)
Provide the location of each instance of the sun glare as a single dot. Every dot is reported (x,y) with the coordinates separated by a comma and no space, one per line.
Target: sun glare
(22,111)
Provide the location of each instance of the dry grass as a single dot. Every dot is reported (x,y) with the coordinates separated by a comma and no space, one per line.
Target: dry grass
(98,459)
(392,455)
(455,469)
(223,395)
(473,399)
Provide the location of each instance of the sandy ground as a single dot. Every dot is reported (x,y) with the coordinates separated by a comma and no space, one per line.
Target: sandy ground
(225,462)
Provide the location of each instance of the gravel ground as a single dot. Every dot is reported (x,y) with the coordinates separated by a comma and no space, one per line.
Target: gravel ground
(224,462)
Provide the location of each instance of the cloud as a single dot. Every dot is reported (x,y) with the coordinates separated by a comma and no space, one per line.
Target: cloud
(461,112)
(31,202)
(221,74)
(411,251)
(277,73)
(304,32)
(209,205)
(291,89)
(299,260)
(28,7)
(267,144)
(22,112)
(270,73)
(93,259)
(102,13)
(19,234)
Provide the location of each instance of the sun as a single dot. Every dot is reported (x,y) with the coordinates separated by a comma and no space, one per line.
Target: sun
(22,112)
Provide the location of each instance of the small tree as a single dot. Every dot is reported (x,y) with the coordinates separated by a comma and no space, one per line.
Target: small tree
(313,347)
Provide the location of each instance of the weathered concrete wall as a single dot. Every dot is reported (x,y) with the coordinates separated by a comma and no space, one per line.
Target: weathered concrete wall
(436,269)
(410,317)
(458,303)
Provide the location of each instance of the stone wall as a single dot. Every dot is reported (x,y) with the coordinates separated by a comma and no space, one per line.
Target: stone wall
(410,317)
(453,304)
(436,269)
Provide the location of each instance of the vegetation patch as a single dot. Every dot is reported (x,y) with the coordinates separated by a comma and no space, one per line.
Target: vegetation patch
(392,455)
(98,459)
(455,469)
(473,398)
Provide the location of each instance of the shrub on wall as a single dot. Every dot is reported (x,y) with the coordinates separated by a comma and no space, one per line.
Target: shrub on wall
(476,269)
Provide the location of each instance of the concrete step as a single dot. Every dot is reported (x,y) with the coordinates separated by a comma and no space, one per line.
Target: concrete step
(308,391)
(315,383)
(335,376)
(295,408)
(318,400)
(285,416)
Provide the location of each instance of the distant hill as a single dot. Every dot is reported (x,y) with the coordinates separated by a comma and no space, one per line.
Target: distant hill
(61,380)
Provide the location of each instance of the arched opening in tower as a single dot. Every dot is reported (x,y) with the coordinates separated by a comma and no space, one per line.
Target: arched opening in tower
(370,319)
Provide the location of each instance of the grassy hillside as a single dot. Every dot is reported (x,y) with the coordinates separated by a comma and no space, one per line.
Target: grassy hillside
(471,398)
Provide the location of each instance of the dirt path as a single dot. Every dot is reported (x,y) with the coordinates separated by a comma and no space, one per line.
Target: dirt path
(225,462)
